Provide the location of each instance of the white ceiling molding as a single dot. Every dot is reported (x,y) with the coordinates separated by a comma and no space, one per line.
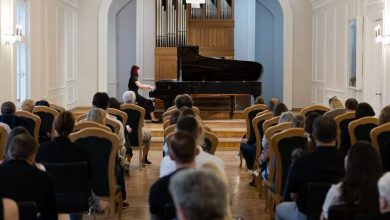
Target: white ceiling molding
(73,3)
(317,4)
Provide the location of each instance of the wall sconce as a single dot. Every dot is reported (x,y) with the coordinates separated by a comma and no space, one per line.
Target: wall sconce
(12,38)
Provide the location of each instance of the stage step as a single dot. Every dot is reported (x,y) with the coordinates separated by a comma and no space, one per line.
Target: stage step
(225,144)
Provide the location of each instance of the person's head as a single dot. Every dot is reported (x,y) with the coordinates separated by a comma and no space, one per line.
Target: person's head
(191,125)
(185,111)
(286,117)
(335,103)
(279,109)
(364,109)
(351,104)
(297,122)
(183,148)
(129,97)
(271,103)
(384,193)
(114,103)
(198,194)
(8,108)
(28,105)
(363,169)
(22,147)
(174,116)
(101,100)
(309,122)
(384,117)
(259,100)
(14,132)
(324,131)
(42,103)
(63,125)
(97,115)
(184,100)
(134,71)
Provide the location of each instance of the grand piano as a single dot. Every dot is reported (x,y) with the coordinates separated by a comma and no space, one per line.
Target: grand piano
(204,75)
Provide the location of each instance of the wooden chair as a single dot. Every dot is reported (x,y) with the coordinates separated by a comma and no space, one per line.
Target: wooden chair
(282,145)
(120,115)
(169,129)
(32,119)
(360,129)
(167,113)
(263,112)
(81,117)
(58,108)
(270,122)
(3,141)
(257,124)
(47,115)
(334,113)
(172,108)
(343,137)
(210,142)
(113,125)
(101,147)
(89,124)
(166,123)
(380,139)
(135,119)
(320,109)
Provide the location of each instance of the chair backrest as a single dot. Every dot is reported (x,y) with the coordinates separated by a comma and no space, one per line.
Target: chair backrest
(334,113)
(210,142)
(343,137)
(101,148)
(166,123)
(270,122)
(89,124)
(276,129)
(249,114)
(316,193)
(3,141)
(380,139)
(135,119)
(360,129)
(113,125)
(172,108)
(28,210)
(33,119)
(81,117)
(320,109)
(71,185)
(257,124)
(120,115)
(281,147)
(47,116)
(57,108)
(169,129)
(167,113)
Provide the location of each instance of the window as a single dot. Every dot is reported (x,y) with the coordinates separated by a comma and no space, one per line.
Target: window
(21,52)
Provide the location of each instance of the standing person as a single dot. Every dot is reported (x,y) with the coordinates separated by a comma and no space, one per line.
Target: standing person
(134,85)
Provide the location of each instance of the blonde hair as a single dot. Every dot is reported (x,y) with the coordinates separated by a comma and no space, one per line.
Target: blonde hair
(335,103)
(384,117)
(97,115)
(28,105)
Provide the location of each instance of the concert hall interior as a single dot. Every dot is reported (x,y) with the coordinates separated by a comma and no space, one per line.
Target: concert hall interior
(194,109)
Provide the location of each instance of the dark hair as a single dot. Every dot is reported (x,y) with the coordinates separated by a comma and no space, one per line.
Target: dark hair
(384,117)
(324,129)
(134,71)
(363,170)
(64,124)
(298,121)
(188,124)
(184,100)
(42,103)
(279,109)
(185,111)
(309,122)
(101,100)
(114,103)
(22,146)
(174,116)
(351,104)
(8,108)
(271,103)
(364,109)
(259,100)
(14,132)
(183,147)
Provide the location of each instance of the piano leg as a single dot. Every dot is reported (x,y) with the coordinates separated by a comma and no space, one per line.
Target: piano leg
(167,103)
(232,103)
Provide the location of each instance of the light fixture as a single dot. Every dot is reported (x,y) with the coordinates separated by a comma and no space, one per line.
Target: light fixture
(196,3)
(382,34)
(12,38)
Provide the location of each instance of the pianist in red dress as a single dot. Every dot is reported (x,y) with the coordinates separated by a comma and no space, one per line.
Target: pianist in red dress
(134,85)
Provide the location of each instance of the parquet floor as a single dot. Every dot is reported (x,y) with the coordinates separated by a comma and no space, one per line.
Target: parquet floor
(246,203)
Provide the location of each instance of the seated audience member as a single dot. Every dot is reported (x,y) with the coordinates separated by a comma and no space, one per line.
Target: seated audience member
(364,109)
(279,109)
(129,98)
(191,125)
(351,105)
(8,209)
(42,103)
(21,181)
(384,118)
(311,145)
(183,100)
(325,164)
(384,196)
(259,100)
(362,171)
(272,103)
(28,105)
(199,195)
(8,117)
(44,134)
(182,151)
(336,108)
(114,103)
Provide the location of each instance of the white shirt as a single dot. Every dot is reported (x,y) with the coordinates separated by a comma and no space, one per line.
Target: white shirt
(168,166)
(332,198)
